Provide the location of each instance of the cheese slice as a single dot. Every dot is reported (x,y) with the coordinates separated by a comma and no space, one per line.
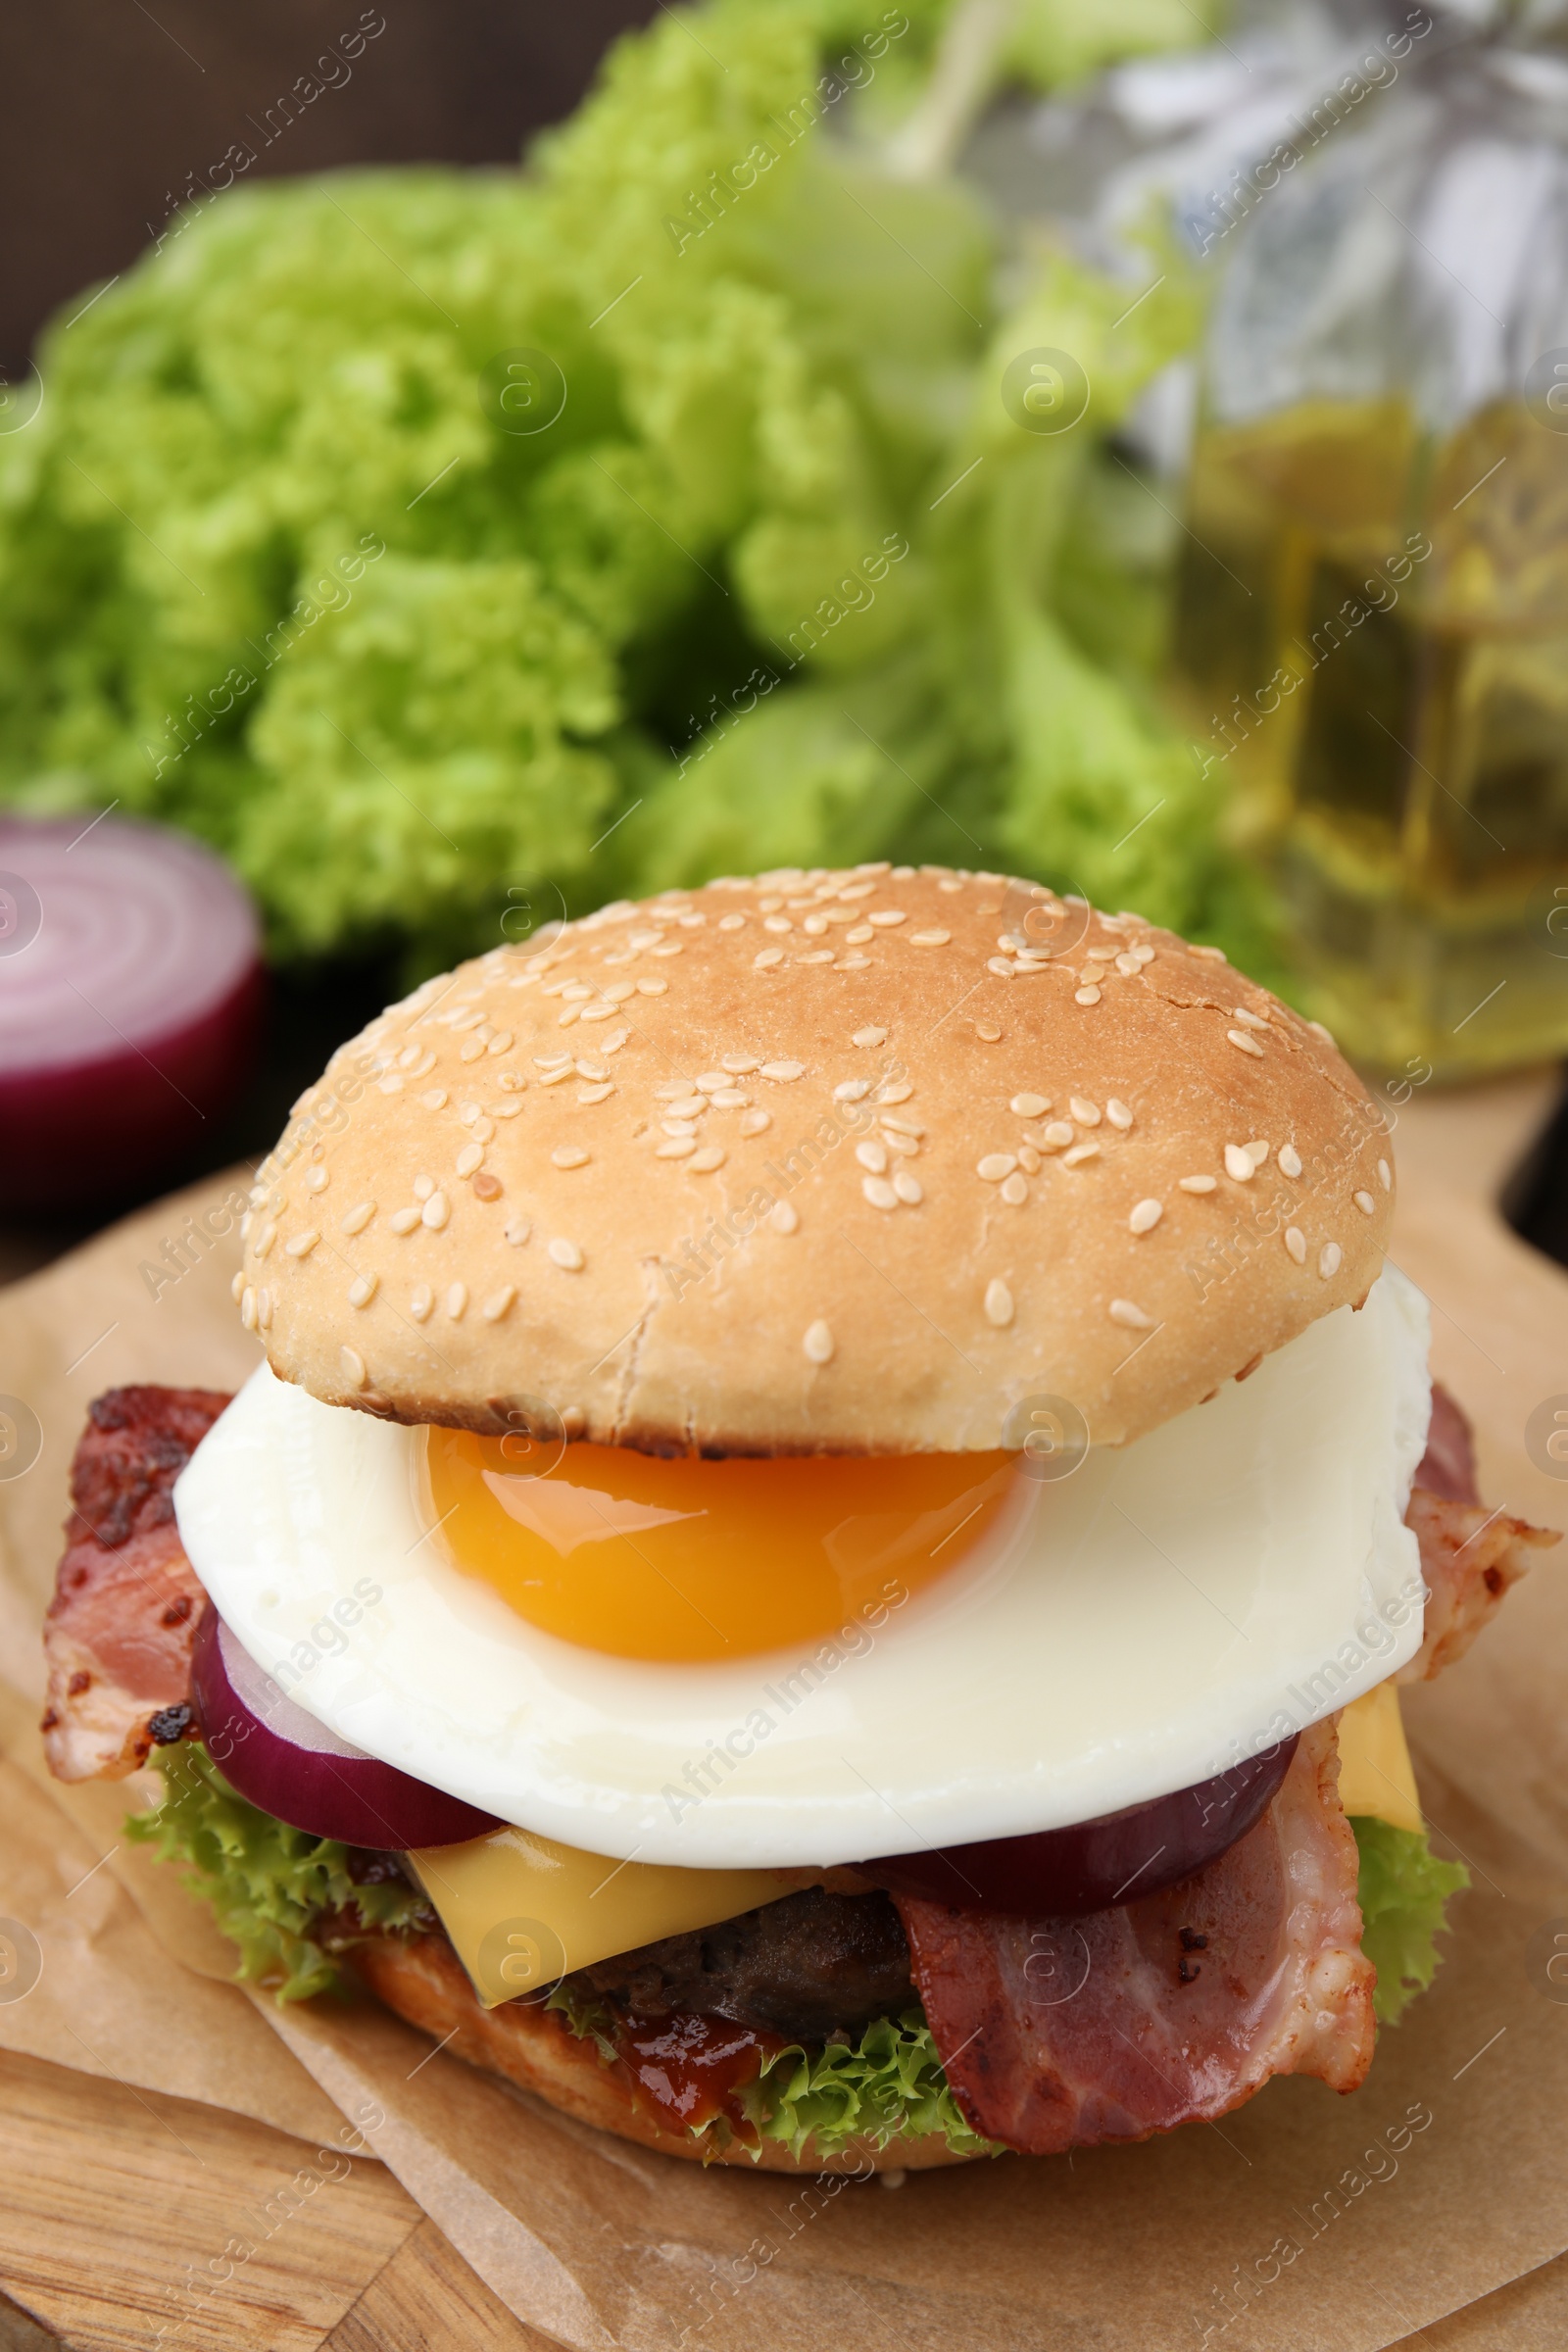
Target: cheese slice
(1376,1775)
(524,1911)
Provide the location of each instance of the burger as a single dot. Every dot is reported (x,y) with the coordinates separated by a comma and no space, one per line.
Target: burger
(819,1561)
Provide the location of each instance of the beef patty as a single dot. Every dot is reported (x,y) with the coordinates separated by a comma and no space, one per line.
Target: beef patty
(807,1966)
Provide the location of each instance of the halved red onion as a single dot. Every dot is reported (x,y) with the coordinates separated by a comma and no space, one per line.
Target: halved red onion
(282,1759)
(130,998)
(1062,1874)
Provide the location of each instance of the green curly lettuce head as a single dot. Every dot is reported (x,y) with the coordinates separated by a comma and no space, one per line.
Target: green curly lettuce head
(1404,1891)
(265,1883)
(781,354)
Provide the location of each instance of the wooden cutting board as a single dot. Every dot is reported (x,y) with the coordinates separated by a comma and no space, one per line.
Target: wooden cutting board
(113,2200)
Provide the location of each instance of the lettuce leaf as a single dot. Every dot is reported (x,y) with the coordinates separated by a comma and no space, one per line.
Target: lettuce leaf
(265,1883)
(1403,1891)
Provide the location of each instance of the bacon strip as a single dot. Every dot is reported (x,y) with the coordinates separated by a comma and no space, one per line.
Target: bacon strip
(123,1621)
(1469,1556)
(1061,2033)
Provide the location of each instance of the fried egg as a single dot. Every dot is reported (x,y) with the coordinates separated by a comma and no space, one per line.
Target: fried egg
(1014,1653)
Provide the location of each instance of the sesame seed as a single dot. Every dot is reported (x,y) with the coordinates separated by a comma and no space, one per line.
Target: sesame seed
(1365,1203)
(988,1033)
(599,1012)
(929,939)
(651,988)
(858,937)
(1385,1175)
(361,1290)
(434,1098)
(1257,1151)
(887,918)
(755,1122)
(1326,1035)
(1239,1163)
(424,1187)
(873,1155)
(783,1071)
(302,1243)
(236,1289)
(1209,954)
(731,922)
(566,1255)
(456,1300)
(777,922)
(1029,1107)
(1290,1160)
(1145,1216)
(318,1180)
(264,1241)
(679,1147)
(1198,1184)
(436,1212)
(519,1230)
(729,1097)
(471,1156)
(421,1301)
(1079,1153)
(486,1186)
(1132,1317)
(869,1036)
(247,1307)
(496,1305)
(711,1082)
(879,1191)
(1015,1190)
(818,1342)
(1118,1115)
(1002,965)
(403,1220)
(1296,1244)
(393,1085)
(765,960)
(1129,966)
(995,1165)
(739,1065)
(949,884)
(619,991)
(1086,995)
(588,1094)
(783,1216)
(1250,1020)
(353,1368)
(1144,953)
(569,1155)
(1053,1137)
(999,1304)
(484,1130)
(1087,1114)
(1329,1259)
(710,1157)
(907,1187)
(852,1090)
(1247,1045)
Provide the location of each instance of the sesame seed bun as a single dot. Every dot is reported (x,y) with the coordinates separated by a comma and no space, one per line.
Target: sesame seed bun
(844,1163)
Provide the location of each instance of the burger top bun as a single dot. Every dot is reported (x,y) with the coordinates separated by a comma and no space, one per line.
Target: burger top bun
(867,1162)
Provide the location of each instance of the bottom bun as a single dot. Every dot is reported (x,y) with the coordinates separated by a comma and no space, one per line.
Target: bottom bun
(421,1978)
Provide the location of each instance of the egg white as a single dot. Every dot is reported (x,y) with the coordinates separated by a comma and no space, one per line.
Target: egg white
(1124,1632)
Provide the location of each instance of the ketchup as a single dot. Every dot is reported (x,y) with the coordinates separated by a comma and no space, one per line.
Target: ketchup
(689,2067)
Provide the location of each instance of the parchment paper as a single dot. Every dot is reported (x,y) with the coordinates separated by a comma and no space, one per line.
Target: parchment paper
(1304,2223)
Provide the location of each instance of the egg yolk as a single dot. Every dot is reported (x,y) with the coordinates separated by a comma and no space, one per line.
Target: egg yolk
(701,1560)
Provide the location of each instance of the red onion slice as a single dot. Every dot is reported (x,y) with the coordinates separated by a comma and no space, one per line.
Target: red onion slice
(130,998)
(283,1760)
(1062,1874)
